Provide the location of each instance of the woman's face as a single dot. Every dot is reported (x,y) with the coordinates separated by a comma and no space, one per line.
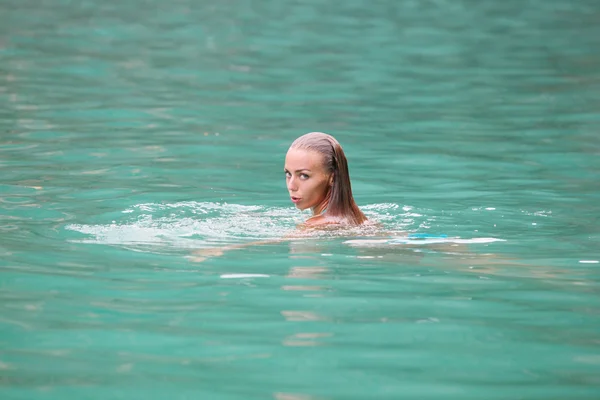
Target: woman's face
(307,179)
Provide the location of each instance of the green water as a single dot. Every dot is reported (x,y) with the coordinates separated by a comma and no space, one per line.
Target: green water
(133,133)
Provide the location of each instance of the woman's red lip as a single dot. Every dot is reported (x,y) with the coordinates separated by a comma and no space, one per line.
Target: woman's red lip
(295,199)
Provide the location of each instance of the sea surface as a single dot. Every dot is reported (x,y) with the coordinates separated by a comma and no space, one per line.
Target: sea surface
(140,140)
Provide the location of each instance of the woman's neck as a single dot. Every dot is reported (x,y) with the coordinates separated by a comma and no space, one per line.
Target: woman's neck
(320,208)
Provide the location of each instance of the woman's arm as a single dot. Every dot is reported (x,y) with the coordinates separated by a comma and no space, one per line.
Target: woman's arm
(203,254)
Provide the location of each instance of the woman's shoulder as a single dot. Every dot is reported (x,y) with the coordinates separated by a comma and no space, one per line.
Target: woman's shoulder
(326,221)
(320,220)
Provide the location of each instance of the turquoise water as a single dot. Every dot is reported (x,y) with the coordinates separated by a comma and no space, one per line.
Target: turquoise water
(134,133)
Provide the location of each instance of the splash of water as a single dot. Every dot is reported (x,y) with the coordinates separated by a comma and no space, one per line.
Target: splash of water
(205,224)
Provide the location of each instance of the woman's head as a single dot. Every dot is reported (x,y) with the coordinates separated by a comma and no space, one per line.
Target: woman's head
(317,177)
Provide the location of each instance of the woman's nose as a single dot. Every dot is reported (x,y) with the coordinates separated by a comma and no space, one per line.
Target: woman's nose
(291,184)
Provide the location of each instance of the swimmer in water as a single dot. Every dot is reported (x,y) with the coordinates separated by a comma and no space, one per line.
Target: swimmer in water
(317,178)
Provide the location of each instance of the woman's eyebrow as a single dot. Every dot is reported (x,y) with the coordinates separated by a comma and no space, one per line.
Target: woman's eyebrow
(299,170)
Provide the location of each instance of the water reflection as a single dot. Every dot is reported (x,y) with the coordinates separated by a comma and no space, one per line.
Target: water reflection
(305,339)
(302,315)
(317,272)
(295,396)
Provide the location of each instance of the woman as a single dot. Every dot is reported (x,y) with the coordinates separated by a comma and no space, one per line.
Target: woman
(317,177)
(316,173)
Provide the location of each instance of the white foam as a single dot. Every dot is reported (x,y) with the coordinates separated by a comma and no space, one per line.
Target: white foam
(411,241)
(191,225)
(589,261)
(241,276)
(195,225)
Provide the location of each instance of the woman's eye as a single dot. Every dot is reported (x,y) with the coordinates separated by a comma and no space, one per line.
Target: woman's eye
(303,176)
(288,175)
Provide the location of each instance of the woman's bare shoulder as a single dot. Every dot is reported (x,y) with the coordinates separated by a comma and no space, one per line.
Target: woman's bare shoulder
(319,220)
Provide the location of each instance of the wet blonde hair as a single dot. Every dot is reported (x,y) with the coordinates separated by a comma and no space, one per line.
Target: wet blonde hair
(341,203)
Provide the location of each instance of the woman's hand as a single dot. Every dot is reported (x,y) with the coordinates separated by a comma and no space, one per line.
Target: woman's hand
(203,254)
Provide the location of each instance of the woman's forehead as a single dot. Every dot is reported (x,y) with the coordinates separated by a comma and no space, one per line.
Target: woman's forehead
(303,159)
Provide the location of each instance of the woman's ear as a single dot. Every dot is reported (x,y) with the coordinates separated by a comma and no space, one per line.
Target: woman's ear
(331,179)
